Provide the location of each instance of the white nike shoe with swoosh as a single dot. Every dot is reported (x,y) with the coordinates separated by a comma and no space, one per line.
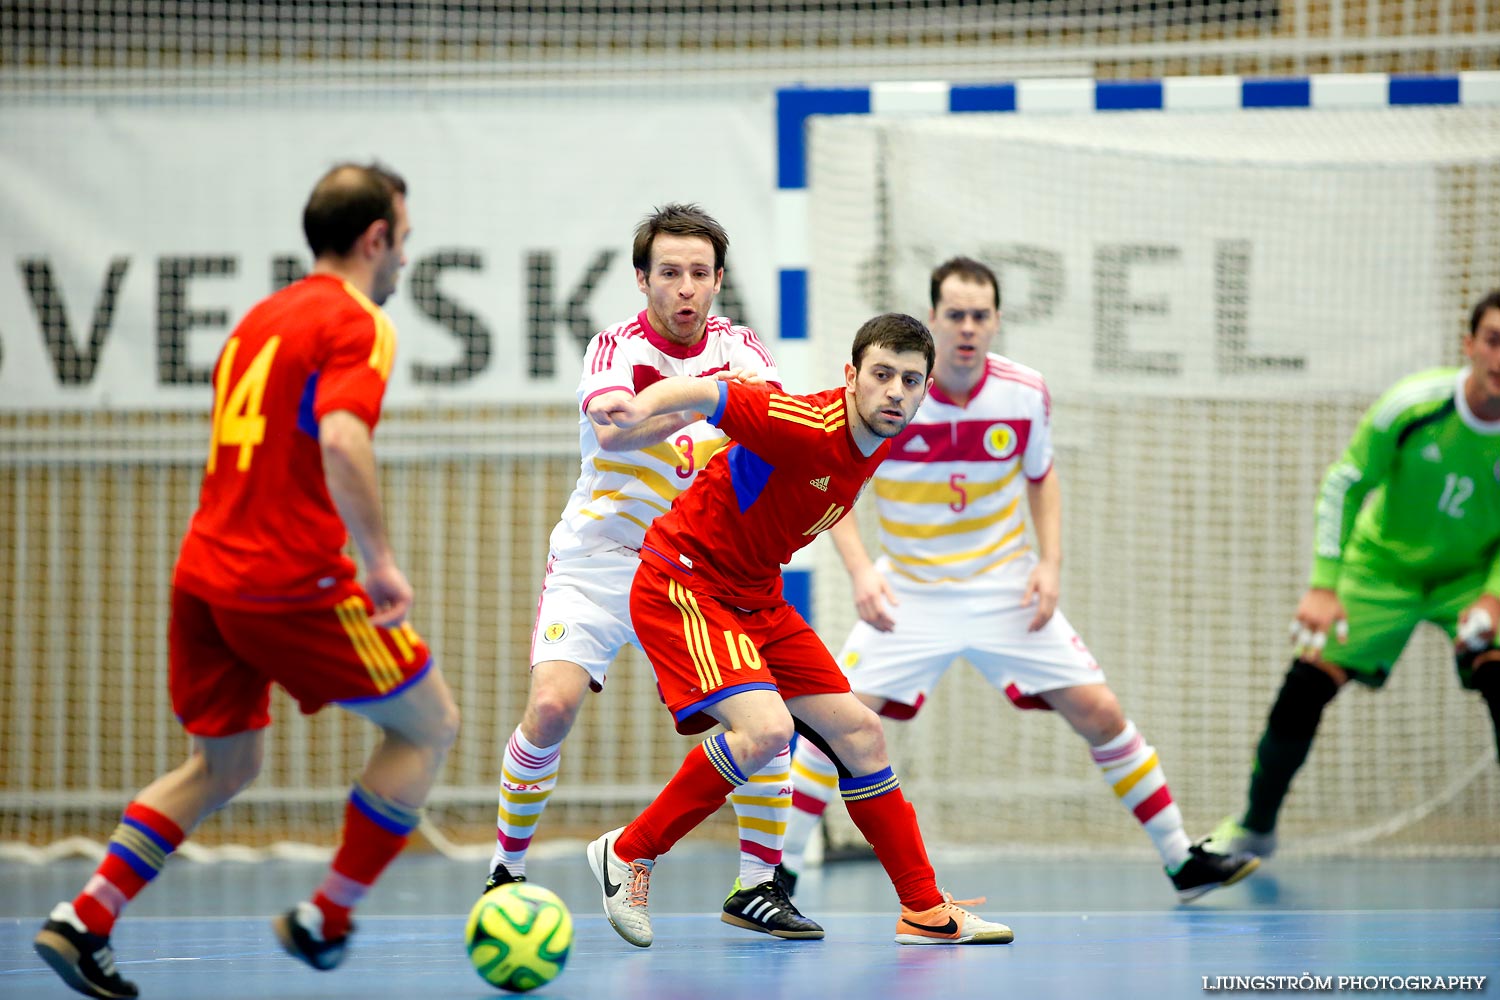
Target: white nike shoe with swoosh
(949,923)
(626,886)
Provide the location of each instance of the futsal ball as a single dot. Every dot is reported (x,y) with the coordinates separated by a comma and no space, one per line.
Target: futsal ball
(519,936)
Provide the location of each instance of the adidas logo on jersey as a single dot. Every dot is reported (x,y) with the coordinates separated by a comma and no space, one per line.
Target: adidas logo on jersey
(917,443)
(1432,453)
(820,483)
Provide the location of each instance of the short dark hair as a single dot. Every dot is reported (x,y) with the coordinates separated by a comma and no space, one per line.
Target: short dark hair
(969,270)
(677,220)
(898,332)
(345,202)
(1490,301)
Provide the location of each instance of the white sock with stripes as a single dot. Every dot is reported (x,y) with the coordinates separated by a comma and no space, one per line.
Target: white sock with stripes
(761,806)
(527,777)
(1130,766)
(815,781)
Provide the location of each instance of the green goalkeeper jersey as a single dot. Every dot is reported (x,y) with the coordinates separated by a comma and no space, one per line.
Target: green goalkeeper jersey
(1430,471)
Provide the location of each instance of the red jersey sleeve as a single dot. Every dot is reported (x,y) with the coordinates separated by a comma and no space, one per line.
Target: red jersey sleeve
(774,425)
(361,346)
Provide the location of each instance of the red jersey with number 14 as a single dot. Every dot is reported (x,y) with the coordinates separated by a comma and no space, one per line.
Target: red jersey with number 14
(792,473)
(266,534)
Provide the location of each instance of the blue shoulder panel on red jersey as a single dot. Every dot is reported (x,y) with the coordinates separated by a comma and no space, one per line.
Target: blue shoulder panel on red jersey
(749,473)
(306,420)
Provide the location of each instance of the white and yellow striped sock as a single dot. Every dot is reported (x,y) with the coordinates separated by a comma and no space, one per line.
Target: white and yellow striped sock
(760,807)
(527,777)
(815,781)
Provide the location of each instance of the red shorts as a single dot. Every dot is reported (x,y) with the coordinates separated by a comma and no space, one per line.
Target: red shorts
(703,650)
(223,661)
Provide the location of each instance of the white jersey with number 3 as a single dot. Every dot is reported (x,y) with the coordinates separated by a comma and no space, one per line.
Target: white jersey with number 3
(619,493)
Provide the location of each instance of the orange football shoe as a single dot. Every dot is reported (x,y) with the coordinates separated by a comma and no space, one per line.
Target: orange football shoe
(949,923)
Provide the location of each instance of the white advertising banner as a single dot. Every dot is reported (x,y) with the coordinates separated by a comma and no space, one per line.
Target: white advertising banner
(133,237)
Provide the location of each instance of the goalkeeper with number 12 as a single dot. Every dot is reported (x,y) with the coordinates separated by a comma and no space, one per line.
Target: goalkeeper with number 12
(1425,547)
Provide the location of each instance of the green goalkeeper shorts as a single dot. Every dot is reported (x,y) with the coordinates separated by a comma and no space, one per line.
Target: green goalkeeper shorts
(1383,613)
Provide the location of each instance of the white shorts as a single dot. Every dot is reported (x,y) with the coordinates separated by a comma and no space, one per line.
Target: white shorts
(982,622)
(583,614)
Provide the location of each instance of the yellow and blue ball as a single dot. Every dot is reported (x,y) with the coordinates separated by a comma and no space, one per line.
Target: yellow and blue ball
(519,936)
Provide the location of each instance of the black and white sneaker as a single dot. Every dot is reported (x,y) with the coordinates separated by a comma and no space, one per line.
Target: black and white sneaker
(501,876)
(767,909)
(1204,871)
(85,961)
(300,931)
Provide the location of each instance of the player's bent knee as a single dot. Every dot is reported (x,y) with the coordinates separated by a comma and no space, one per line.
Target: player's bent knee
(768,740)
(549,716)
(860,745)
(446,730)
(1299,704)
(228,774)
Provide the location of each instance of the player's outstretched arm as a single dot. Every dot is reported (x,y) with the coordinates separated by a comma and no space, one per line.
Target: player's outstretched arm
(653,429)
(872,592)
(643,435)
(678,394)
(349,471)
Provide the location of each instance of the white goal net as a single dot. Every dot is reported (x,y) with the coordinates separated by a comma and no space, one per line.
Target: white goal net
(1214,299)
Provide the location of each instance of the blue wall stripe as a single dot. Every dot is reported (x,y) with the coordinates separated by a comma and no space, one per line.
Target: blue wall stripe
(1294,92)
(1423,90)
(796,587)
(984,97)
(792,108)
(1128,95)
(793,303)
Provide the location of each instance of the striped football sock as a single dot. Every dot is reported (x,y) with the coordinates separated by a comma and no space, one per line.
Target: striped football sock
(375,830)
(528,775)
(707,775)
(1131,767)
(138,849)
(760,807)
(815,780)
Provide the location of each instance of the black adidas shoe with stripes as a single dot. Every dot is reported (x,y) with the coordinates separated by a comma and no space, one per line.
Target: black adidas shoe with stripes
(85,961)
(767,909)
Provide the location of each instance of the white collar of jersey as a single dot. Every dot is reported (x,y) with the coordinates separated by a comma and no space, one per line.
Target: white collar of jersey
(1467,415)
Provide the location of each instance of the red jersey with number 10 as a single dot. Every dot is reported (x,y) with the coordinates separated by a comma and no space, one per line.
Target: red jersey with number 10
(266,534)
(792,473)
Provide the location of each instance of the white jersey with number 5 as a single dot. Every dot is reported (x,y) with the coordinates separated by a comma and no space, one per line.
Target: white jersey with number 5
(952,503)
(951,495)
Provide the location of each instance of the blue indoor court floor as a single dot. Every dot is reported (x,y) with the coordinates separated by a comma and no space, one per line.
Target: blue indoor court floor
(1096,929)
